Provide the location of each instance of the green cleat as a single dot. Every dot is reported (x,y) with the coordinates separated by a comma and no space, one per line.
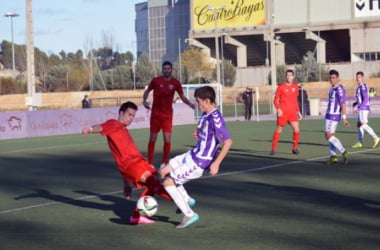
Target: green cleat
(345,157)
(187,221)
(376,142)
(333,160)
(357,145)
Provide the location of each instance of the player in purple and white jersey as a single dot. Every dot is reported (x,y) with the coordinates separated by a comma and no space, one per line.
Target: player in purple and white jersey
(362,107)
(211,132)
(336,110)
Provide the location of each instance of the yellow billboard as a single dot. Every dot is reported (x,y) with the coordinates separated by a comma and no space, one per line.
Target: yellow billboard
(230,13)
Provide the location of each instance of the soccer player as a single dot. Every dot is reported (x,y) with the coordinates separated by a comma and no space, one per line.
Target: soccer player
(363,106)
(133,167)
(286,103)
(336,110)
(203,156)
(164,88)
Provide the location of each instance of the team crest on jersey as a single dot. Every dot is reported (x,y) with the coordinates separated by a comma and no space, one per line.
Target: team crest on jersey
(171,86)
(293,90)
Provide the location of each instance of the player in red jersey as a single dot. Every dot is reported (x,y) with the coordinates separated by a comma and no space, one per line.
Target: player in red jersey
(132,165)
(288,111)
(164,88)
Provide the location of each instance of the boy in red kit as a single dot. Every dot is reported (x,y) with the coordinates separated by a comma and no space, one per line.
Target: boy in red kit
(286,103)
(164,88)
(132,165)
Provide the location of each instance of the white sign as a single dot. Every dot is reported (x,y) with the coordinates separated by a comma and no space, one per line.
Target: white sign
(367,8)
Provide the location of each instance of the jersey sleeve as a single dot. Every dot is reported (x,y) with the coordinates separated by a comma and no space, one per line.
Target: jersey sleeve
(221,131)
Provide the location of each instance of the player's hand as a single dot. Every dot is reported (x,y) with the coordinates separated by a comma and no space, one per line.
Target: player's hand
(300,117)
(146,105)
(279,113)
(85,131)
(214,168)
(192,105)
(127,190)
(195,134)
(346,123)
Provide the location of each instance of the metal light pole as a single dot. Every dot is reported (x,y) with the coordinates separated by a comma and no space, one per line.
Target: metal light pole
(12,15)
(179,60)
(215,11)
(134,75)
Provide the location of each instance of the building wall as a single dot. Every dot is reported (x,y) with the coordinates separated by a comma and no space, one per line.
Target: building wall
(165,29)
(170,26)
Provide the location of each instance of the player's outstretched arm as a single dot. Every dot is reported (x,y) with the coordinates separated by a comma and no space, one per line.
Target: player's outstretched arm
(145,97)
(93,129)
(185,100)
(214,168)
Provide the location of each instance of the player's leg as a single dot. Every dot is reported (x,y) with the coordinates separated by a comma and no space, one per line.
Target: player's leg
(277,133)
(367,128)
(167,132)
(296,136)
(155,127)
(360,132)
(330,128)
(182,169)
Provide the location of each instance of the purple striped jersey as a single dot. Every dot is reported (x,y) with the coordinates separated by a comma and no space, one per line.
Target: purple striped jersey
(362,96)
(337,97)
(212,131)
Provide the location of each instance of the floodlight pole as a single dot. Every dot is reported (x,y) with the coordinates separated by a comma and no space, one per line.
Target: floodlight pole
(215,12)
(12,15)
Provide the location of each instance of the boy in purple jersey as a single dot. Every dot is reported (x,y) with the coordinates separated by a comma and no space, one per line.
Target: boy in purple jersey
(336,110)
(362,107)
(203,156)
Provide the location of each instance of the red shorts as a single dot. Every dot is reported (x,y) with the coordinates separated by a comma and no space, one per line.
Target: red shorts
(134,171)
(157,123)
(287,117)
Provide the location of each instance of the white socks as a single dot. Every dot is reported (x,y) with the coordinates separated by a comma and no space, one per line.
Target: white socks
(180,200)
(337,144)
(369,130)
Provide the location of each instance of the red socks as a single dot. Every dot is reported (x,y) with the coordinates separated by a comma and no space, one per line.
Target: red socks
(154,187)
(276,137)
(165,157)
(296,139)
(150,151)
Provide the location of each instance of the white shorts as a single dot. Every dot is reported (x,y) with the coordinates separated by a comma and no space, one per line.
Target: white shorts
(183,168)
(330,126)
(363,116)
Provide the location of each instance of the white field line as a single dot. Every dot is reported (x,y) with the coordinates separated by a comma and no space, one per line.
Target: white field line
(256,169)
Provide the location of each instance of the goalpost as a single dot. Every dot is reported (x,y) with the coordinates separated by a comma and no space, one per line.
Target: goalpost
(189,92)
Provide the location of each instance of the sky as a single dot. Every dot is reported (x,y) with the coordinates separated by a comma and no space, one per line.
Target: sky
(70,25)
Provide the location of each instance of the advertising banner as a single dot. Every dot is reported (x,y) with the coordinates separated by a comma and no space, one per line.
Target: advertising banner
(21,124)
(230,14)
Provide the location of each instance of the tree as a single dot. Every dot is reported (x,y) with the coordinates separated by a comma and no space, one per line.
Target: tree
(229,73)
(144,71)
(195,64)
(310,70)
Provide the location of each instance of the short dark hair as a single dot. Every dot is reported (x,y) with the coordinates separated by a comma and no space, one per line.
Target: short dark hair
(127,105)
(205,92)
(290,71)
(333,72)
(360,73)
(167,63)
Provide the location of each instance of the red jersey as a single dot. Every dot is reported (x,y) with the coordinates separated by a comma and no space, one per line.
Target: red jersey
(286,97)
(163,94)
(121,143)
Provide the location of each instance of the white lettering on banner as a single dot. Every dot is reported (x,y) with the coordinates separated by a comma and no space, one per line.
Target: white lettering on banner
(22,124)
(366,8)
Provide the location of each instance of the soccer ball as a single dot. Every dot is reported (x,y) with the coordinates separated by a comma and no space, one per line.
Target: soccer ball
(147,205)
